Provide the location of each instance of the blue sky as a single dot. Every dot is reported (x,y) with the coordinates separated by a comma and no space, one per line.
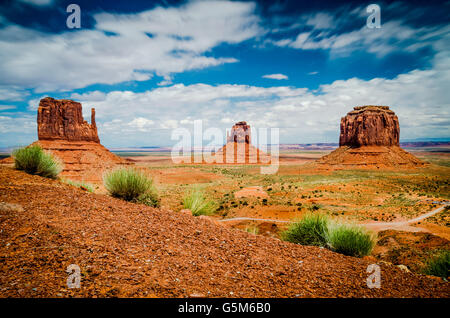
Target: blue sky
(150,67)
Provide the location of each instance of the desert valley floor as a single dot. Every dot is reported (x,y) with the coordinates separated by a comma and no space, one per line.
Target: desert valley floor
(131,250)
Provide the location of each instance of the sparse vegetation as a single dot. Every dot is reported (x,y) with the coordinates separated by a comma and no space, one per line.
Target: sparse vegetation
(253,229)
(350,239)
(198,204)
(312,229)
(439,265)
(34,160)
(82,185)
(319,230)
(132,185)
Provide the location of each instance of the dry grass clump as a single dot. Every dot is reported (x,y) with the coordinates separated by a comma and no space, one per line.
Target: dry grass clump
(34,160)
(319,230)
(198,204)
(312,229)
(439,265)
(131,185)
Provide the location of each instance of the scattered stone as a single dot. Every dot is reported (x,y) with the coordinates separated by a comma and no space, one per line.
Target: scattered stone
(10,207)
(404,268)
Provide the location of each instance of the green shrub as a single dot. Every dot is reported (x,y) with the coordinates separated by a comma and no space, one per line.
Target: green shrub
(312,229)
(439,265)
(198,204)
(131,184)
(350,240)
(34,160)
(85,186)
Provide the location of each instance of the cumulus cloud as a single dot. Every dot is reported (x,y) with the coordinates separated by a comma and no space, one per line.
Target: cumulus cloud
(420,99)
(17,124)
(125,47)
(276,76)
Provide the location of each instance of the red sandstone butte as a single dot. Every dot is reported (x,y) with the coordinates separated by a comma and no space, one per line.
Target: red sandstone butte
(63,132)
(370,138)
(370,126)
(63,120)
(239,149)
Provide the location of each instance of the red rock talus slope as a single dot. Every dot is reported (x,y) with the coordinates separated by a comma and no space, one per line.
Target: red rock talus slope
(63,131)
(369,137)
(125,249)
(83,160)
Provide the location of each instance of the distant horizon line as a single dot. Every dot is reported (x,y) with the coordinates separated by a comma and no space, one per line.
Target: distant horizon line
(414,140)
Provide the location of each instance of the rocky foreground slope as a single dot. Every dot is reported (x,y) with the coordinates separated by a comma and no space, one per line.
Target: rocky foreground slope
(126,249)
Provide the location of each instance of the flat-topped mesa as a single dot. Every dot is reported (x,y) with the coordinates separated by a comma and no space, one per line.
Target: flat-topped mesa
(369,126)
(240,133)
(63,120)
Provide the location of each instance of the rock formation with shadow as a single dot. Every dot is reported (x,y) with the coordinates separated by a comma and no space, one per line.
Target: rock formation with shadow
(63,131)
(370,138)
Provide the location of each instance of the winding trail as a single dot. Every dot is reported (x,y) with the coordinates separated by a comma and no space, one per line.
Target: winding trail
(394,225)
(253,219)
(378,226)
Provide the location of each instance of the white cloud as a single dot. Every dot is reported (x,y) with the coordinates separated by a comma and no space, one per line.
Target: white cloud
(19,123)
(392,36)
(420,98)
(276,76)
(125,47)
(12,93)
(141,124)
(7,107)
(38,2)
(320,20)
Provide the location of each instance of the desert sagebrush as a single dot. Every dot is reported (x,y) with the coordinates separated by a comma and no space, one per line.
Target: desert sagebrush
(34,160)
(312,229)
(131,184)
(350,239)
(198,204)
(439,265)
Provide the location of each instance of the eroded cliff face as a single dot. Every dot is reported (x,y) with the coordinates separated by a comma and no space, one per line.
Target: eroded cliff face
(370,126)
(370,138)
(63,132)
(63,120)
